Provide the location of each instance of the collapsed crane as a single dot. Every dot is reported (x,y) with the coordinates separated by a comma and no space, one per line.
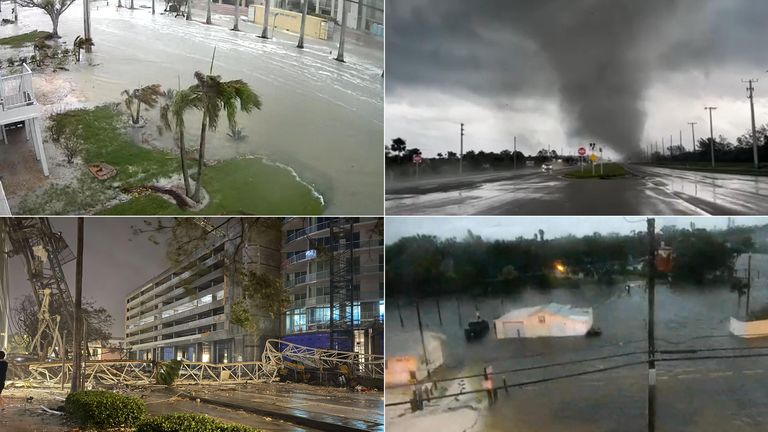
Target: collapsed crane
(45,252)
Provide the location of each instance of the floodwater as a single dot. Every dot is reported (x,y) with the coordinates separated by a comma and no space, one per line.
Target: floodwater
(322,118)
(691,393)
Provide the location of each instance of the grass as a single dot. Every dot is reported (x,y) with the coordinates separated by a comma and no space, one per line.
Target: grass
(105,141)
(19,41)
(609,170)
(236,186)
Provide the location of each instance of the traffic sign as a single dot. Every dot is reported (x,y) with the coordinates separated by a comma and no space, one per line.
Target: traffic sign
(582,151)
(417,159)
(593,157)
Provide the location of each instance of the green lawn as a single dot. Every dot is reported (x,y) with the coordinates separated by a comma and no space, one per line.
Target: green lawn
(236,186)
(19,41)
(609,170)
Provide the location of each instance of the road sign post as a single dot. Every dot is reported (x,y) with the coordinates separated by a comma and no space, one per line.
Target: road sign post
(601,161)
(582,152)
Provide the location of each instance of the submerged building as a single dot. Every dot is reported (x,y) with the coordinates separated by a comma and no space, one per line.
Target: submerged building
(184,312)
(330,264)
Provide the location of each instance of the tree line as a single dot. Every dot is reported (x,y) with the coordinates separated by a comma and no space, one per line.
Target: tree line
(726,151)
(425,265)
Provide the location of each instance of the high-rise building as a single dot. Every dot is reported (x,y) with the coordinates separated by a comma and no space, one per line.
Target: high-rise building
(327,263)
(185,312)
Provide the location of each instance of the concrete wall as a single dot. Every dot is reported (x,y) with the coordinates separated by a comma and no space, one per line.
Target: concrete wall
(289,21)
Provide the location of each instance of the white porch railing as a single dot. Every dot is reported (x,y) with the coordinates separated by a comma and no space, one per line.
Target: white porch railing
(16,90)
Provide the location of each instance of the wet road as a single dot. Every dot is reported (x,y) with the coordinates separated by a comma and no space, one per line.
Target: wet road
(320,117)
(718,394)
(646,191)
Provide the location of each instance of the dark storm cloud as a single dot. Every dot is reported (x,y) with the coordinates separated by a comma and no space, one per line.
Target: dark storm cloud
(597,56)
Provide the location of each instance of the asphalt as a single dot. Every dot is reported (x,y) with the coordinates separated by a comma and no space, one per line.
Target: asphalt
(644,191)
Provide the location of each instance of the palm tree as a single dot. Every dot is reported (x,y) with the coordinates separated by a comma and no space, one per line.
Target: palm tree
(236,26)
(147,95)
(303,22)
(210,95)
(177,103)
(208,15)
(265,29)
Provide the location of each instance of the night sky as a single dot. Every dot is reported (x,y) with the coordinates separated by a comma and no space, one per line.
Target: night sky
(115,262)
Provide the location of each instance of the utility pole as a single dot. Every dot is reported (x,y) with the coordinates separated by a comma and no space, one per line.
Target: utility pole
(77,348)
(670,145)
(750,96)
(303,23)
(514,153)
(423,345)
(711,134)
(693,136)
(749,281)
(265,29)
(461,151)
(662,146)
(651,267)
(87,19)
(681,141)
(340,55)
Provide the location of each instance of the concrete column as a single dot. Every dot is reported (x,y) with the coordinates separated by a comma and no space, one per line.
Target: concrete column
(5,137)
(26,129)
(39,142)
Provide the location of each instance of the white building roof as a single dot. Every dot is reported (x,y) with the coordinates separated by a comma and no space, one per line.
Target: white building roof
(580,314)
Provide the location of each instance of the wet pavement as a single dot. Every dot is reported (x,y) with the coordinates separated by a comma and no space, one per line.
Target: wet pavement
(322,118)
(646,191)
(694,395)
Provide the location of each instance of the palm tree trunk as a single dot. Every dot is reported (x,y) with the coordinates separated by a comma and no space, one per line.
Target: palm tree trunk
(184,169)
(138,112)
(340,55)
(200,158)
(303,23)
(55,22)
(189,10)
(265,30)
(131,4)
(208,15)
(236,27)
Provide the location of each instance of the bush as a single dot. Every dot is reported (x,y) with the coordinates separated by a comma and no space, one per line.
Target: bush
(189,423)
(104,409)
(169,372)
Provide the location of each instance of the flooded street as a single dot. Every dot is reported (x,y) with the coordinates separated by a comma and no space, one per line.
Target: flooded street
(692,395)
(322,118)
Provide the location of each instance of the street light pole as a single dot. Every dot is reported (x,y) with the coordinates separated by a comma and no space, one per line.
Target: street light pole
(514,153)
(693,137)
(750,94)
(711,134)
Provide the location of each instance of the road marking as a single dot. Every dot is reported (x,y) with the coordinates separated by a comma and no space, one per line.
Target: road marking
(754,371)
(714,374)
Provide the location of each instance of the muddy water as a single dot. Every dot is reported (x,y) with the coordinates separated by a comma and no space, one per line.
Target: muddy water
(322,118)
(686,316)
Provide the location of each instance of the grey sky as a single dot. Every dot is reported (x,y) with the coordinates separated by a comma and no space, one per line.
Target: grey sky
(564,72)
(115,262)
(554,226)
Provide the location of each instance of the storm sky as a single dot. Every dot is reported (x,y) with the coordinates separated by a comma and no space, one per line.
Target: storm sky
(494,228)
(561,73)
(115,262)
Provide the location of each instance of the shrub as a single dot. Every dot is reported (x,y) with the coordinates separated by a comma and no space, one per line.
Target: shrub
(189,423)
(104,409)
(169,371)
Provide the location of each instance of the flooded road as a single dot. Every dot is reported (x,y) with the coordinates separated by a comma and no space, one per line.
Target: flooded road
(322,118)
(646,191)
(715,394)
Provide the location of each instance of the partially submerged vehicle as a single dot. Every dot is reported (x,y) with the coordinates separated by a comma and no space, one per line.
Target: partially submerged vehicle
(476,329)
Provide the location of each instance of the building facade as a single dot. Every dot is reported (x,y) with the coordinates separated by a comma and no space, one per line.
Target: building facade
(184,312)
(307,277)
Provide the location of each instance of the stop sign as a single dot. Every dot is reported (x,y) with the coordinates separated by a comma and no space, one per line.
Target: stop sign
(582,151)
(417,158)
